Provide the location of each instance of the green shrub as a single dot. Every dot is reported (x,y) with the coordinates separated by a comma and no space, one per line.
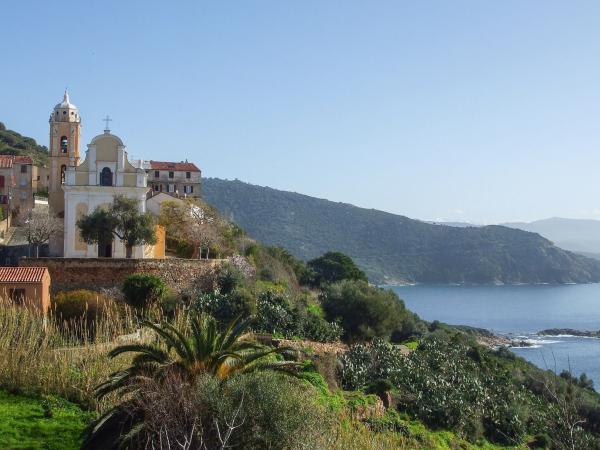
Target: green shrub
(277,411)
(229,278)
(276,315)
(77,312)
(226,307)
(141,290)
(366,312)
(78,304)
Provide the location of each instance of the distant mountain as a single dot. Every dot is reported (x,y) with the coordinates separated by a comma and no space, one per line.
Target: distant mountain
(393,248)
(578,235)
(12,143)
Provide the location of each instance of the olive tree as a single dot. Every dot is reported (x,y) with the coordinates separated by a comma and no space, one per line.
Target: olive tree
(123,220)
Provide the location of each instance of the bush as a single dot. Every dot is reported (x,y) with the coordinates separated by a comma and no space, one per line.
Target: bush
(448,385)
(141,290)
(77,311)
(226,307)
(278,411)
(229,278)
(262,410)
(77,304)
(276,315)
(366,312)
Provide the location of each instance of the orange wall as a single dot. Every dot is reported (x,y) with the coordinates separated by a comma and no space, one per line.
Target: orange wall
(37,294)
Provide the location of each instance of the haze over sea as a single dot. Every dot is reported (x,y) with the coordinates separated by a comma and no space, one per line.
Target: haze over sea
(521,311)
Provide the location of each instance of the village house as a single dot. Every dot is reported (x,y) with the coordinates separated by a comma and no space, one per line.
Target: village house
(16,186)
(180,179)
(28,286)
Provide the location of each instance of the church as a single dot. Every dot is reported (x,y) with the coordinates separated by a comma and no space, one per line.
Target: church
(76,187)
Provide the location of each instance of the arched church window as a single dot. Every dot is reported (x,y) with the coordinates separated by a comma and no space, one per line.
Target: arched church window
(63,170)
(64,143)
(106,177)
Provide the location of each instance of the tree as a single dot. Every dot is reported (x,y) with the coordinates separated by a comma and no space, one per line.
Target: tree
(198,348)
(39,226)
(192,221)
(122,219)
(333,267)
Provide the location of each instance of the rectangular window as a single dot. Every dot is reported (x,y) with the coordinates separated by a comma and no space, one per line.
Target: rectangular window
(188,175)
(23,168)
(191,189)
(17,295)
(156,174)
(171,174)
(156,188)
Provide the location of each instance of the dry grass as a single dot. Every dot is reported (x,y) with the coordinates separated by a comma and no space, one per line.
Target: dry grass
(39,358)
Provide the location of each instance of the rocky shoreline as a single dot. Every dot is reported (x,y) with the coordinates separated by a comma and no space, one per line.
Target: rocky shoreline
(568,332)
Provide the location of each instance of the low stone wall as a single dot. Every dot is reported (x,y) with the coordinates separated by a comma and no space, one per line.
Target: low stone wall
(102,273)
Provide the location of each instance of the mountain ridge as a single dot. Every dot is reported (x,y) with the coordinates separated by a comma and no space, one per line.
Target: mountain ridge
(393,248)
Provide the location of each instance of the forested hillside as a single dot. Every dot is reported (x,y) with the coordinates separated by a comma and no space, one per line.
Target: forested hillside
(12,143)
(392,248)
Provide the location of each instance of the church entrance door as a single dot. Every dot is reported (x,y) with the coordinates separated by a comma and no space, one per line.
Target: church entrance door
(105,249)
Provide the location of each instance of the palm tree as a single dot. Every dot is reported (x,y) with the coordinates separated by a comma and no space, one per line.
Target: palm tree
(199,348)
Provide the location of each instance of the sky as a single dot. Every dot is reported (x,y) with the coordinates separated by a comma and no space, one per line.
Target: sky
(439,110)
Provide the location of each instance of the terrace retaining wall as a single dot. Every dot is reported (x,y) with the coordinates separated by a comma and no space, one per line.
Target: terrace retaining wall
(179,275)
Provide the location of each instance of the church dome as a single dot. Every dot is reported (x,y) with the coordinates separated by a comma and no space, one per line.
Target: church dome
(65,111)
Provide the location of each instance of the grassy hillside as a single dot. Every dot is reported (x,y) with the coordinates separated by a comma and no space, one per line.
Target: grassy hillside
(12,143)
(393,248)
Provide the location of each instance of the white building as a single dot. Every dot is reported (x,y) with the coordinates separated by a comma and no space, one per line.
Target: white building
(104,173)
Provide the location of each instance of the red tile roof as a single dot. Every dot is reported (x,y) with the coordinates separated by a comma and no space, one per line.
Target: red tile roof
(6,161)
(23,160)
(22,274)
(166,165)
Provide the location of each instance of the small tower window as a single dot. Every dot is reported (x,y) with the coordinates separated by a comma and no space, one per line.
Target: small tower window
(64,144)
(63,170)
(106,177)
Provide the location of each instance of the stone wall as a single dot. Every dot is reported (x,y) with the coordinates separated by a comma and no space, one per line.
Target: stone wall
(105,273)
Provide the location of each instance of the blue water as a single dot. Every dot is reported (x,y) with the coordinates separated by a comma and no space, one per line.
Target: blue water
(521,311)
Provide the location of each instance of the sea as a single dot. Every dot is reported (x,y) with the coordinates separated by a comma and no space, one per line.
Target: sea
(521,312)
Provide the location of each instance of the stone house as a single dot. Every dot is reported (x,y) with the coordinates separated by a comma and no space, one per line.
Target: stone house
(16,187)
(179,179)
(28,286)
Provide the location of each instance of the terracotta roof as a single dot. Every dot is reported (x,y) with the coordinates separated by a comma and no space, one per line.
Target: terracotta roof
(23,160)
(22,274)
(6,161)
(166,165)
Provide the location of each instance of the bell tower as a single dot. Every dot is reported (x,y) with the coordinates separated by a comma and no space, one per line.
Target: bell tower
(65,128)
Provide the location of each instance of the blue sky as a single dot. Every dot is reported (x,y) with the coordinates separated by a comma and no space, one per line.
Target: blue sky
(457,110)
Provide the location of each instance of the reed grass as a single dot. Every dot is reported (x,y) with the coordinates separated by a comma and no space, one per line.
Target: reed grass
(44,355)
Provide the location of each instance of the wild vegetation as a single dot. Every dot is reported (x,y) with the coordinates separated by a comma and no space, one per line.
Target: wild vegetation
(390,248)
